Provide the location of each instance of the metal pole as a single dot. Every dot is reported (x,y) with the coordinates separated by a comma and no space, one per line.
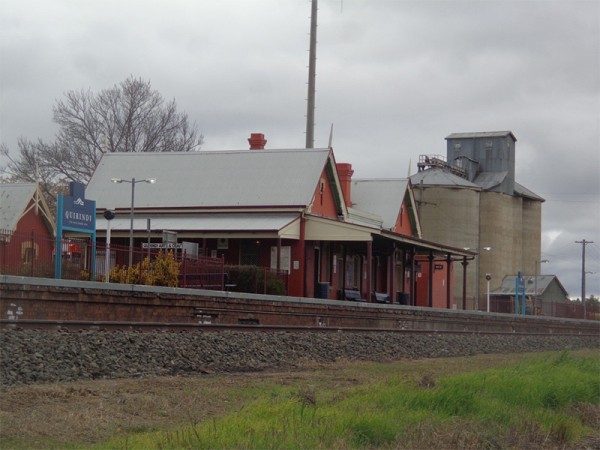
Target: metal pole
(430,281)
(464,286)
(476,306)
(583,277)
(583,243)
(107,257)
(517,285)
(535,287)
(131,223)
(148,225)
(448,279)
(488,295)
(312,63)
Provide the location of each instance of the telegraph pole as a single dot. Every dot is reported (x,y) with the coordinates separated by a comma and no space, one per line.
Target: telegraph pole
(583,244)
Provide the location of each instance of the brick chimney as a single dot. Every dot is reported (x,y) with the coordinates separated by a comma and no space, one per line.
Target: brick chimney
(257,141)
(345,173)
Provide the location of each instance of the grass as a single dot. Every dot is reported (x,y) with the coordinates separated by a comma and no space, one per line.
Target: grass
(541,400)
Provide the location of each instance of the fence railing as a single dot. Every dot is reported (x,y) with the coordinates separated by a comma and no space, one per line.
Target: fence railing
(572,310)
(31,254)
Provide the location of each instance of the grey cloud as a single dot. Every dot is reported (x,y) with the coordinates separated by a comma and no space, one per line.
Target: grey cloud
(395,78)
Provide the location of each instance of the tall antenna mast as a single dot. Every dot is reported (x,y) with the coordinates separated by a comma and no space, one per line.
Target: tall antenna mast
(312,63)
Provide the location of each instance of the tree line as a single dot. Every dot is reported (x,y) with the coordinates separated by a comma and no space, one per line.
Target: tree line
(129,117)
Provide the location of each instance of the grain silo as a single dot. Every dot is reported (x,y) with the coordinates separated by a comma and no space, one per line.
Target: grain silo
(470,199)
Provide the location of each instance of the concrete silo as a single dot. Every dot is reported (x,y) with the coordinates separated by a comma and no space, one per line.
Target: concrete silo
(470,199)
(448,208)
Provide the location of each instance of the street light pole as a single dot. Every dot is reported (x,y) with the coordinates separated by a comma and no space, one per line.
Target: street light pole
(535,280)
(133,182)
(488,277)
(131,223)
(109,215)
(477,281)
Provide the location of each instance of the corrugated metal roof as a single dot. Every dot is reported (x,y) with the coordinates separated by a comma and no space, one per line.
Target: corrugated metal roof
(382,197)
(481,134)
(543,281)
(209,179)
(360,217)
(488,180)
(203,222)
(439,177)
(524,192)
(14,199)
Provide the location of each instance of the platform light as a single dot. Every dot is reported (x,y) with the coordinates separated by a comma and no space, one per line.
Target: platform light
(133,182)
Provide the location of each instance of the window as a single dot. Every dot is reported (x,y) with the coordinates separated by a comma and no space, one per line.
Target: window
(29,252)
(357,271)
(249,252)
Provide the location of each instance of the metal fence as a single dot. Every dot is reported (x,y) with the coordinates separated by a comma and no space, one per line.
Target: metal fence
(571,310)
(33,255)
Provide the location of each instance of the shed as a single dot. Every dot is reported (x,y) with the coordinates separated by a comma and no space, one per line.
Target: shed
(542,292)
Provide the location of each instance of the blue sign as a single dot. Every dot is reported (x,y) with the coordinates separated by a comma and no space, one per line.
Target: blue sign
(74,213)
(79,213)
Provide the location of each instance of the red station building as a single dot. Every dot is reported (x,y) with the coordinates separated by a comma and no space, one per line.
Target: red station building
(296,210)
(26,229)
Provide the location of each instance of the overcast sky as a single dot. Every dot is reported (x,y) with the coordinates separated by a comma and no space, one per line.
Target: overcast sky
(394,78)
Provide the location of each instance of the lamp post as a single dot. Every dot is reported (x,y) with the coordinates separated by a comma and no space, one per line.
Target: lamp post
(477,251)
(133,181)
(109,215)
(488,277)
(535,280)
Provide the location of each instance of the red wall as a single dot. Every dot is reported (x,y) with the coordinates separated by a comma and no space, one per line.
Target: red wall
(31,221)
(30,224)
(439,283)
(295,287)
(324,203)
(403,223)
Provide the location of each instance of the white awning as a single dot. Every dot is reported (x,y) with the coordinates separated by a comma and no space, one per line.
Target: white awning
(321,229)
(282,225)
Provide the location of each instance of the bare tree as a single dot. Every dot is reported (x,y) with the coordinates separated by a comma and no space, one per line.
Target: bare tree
(130,117)
(31,168)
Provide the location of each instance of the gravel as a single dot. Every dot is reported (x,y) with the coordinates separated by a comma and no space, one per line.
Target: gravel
(28,357)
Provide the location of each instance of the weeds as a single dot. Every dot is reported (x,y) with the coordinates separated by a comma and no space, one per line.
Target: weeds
(530,403)
(485,402)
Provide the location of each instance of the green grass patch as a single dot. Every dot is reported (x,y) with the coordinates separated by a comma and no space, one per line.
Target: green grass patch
(535,401)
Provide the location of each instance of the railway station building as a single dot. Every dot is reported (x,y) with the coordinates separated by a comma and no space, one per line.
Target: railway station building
(293,210)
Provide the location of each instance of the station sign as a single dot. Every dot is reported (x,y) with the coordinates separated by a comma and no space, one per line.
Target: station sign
(78,213)
(159,245)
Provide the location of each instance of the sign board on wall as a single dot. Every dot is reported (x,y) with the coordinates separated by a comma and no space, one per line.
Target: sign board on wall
(285,255)
(160,245)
